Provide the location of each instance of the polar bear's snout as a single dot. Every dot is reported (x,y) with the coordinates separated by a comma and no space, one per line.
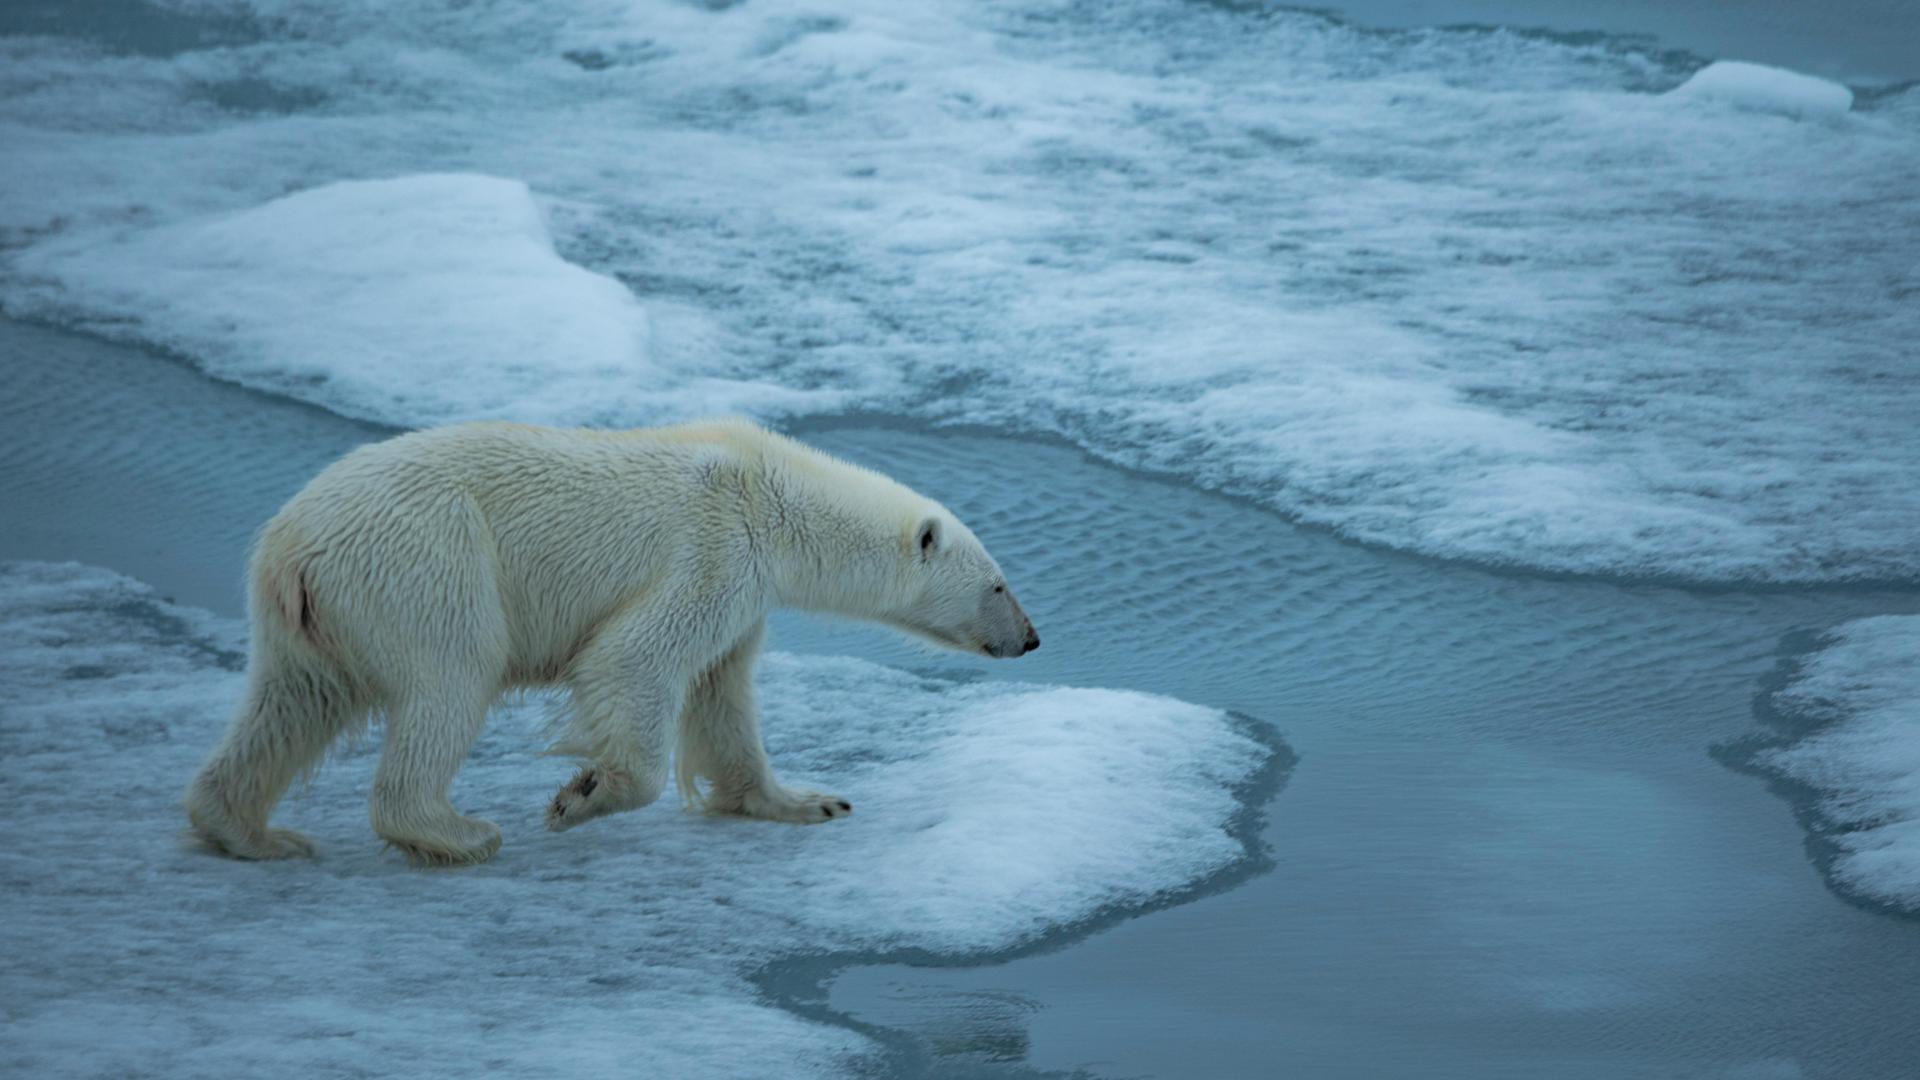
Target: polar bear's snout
(1031,643)
(1004,652)
(1013,634)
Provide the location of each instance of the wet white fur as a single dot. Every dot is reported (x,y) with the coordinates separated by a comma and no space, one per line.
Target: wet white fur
(420,577)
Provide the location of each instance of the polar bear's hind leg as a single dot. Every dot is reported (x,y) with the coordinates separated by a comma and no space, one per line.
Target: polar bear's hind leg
(293,710)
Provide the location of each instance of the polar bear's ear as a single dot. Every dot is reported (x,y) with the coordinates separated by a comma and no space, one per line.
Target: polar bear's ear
(927,538)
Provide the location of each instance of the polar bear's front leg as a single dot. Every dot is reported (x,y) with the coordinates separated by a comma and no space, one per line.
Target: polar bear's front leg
(720,740)
(629,766)
(625,699)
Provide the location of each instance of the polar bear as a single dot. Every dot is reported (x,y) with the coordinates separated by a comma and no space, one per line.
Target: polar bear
(420,577)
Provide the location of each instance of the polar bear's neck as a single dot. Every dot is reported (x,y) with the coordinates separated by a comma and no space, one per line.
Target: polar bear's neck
(836,535)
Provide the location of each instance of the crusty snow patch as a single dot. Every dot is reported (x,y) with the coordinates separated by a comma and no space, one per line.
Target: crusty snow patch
(1865,759)
(986,816)
(1765,89)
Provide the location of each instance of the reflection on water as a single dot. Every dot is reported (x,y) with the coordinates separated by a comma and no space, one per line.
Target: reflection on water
(969,1025)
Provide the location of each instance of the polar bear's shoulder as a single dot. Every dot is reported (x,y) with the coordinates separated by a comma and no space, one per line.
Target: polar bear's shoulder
(802,471)
(746,441)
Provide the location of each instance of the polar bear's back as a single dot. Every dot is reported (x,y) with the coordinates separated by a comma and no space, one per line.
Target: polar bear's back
(506,469)
(532,532)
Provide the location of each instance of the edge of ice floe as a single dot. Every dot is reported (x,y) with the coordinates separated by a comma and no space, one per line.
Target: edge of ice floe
(800,984)
(1784,728)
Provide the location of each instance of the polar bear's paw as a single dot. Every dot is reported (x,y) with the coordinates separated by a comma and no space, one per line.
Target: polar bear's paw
(281,844)
(794,807)
(263,844)
(217,827)
(461,841)
(596,791)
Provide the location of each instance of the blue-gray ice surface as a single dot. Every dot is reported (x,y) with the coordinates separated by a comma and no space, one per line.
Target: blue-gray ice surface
(1475,294)
(986,815)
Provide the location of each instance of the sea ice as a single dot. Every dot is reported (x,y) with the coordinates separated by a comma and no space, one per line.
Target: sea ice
(1863,689)
(987,815)
(1479,295)
(1765,89)
(413,300)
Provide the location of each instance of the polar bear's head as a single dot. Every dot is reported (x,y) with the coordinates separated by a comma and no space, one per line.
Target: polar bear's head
(953,594)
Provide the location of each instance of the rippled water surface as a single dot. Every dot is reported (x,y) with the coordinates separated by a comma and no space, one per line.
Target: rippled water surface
(1505,849)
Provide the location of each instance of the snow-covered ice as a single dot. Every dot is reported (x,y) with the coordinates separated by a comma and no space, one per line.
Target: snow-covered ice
(1765,89)
(1475,294)
(393,300)
(988,815)
(1862,689)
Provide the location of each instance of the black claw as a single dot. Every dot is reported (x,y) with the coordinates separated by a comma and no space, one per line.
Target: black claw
(587,784)
(844,805)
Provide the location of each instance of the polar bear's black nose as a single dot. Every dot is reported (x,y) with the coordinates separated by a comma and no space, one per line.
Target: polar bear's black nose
(1033,642)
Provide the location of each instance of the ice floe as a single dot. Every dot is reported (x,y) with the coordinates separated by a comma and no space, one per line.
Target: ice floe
(1862,690)
(1766,89)
(989,814)
(413,300)
(1480,295)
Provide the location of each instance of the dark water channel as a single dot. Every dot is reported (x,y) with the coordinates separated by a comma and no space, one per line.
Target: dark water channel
(1505,849)
(1870,42)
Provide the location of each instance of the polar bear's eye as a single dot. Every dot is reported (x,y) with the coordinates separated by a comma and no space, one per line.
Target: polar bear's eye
(999,588)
